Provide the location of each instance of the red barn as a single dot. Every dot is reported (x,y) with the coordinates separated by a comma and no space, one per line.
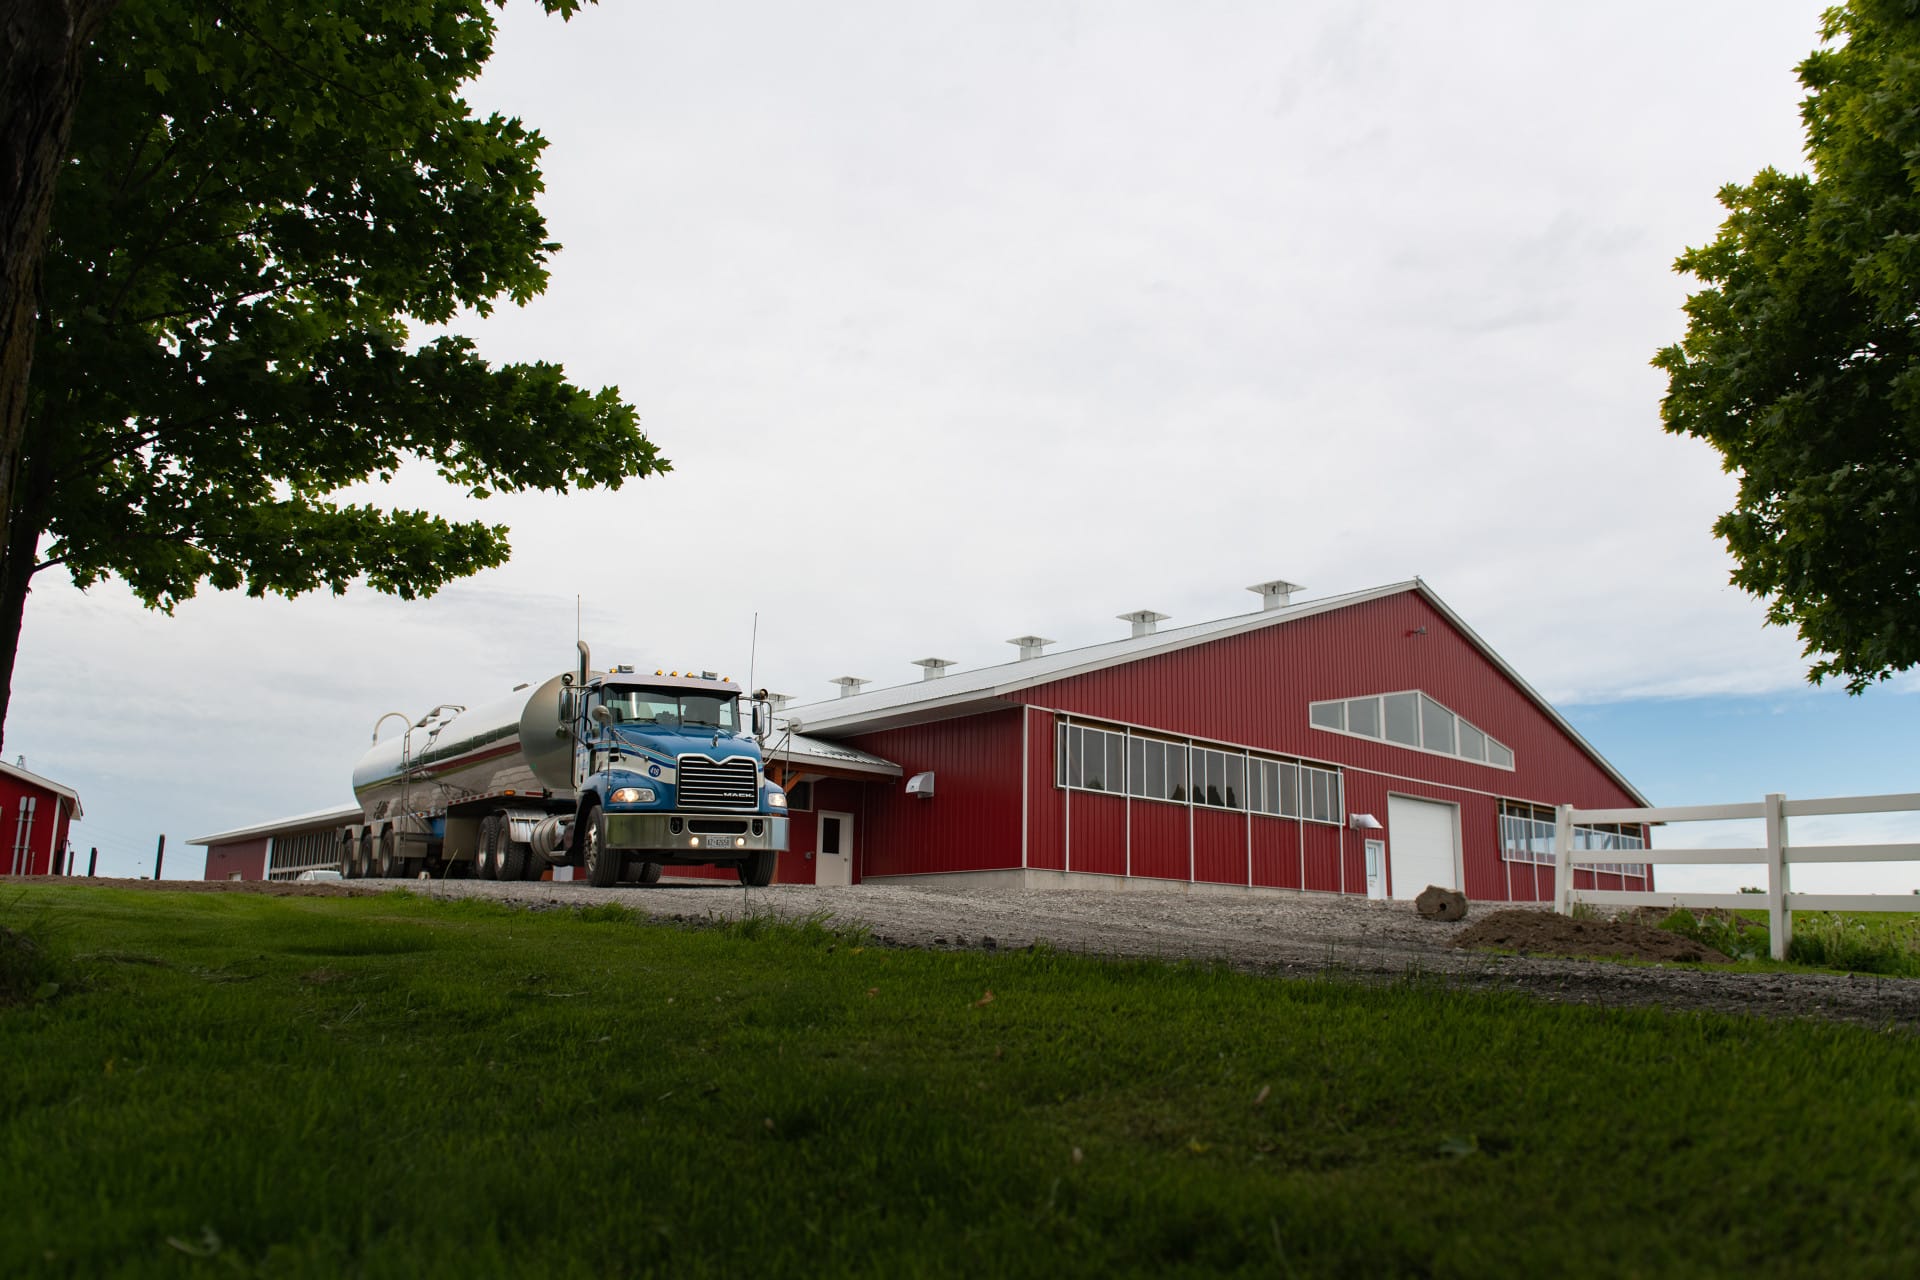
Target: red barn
(35,814)
(1367,743)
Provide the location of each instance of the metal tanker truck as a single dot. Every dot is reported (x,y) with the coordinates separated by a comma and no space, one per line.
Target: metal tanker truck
(616,772)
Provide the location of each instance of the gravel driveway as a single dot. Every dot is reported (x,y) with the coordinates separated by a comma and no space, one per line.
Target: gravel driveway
(1296,935)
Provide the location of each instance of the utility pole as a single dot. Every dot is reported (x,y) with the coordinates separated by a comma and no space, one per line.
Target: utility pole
(159,857)
(93,860)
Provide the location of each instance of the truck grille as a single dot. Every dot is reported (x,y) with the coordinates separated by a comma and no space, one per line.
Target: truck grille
(724,786)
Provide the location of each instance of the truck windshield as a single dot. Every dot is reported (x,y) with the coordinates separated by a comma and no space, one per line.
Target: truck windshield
(669,708)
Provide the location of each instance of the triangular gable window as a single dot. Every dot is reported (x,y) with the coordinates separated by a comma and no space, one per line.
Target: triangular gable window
(1410,719)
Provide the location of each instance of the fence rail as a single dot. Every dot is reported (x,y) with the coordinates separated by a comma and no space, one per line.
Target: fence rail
(1777,856)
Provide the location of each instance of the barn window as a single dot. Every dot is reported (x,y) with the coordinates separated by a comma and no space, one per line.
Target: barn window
(1091,759)
(1410,719)
(1527,835)
(1118,761)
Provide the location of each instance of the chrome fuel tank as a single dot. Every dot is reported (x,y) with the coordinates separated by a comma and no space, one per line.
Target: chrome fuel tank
(515,744)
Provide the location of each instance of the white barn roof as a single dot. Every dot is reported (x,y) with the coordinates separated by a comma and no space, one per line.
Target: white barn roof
(35,780)
(970,692)
(281,826)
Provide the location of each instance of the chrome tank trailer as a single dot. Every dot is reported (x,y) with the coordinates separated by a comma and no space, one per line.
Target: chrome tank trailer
(515,746)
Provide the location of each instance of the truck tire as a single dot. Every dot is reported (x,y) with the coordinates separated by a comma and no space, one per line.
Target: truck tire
(602,864)
(388,855)
(756,869)
(484,865)
(343,850)
(512,858)
(363,861)
(649,873)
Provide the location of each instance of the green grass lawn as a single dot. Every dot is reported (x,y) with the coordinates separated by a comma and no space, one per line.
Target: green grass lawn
(392,1086)
(1885,943)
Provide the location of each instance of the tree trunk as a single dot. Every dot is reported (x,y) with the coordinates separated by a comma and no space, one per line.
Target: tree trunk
(43,50)
(33,502)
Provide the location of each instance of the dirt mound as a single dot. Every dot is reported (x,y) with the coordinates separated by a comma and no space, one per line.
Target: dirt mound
(1543,932)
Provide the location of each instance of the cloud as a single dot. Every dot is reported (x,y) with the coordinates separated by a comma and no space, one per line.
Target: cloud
(960,324)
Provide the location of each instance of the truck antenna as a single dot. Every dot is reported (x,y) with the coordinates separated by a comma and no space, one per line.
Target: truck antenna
(576,617)
(753,650)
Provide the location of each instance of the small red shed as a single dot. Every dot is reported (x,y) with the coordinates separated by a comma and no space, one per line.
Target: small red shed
(35,814)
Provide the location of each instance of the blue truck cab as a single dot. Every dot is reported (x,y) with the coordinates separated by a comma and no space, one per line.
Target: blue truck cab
(668,772)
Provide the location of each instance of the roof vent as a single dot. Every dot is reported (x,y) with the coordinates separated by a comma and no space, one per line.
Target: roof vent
(1275,594)
(1030,646)
(849,685)
(778,700)
(933,668)
(1144,621)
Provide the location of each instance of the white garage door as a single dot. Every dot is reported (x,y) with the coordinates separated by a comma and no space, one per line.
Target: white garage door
(1420,846)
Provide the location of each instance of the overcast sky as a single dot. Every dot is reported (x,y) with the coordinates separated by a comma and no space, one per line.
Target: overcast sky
(961,322)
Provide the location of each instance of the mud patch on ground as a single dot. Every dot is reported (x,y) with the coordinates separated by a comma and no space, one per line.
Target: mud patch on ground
(1543,933)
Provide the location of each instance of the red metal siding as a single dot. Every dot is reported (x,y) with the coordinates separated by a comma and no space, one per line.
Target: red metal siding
(1219,846)
(1276,852)
(1158,839)
(245,858)
(1097,833)
(45,837)
(1321,845)
(972,823)
(1046,803)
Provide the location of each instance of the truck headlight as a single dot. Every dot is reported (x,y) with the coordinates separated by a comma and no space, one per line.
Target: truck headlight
(776,799)
(633,795)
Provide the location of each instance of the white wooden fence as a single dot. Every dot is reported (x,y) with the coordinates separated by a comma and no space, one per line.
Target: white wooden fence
(1777,856)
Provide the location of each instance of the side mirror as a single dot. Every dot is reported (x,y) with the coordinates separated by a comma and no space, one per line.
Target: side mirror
(762,720)
(567,707)
(602,716)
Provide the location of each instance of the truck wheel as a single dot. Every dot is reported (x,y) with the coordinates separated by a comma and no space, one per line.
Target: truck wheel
(483,864)
(343,848)
(363,861)
(649,873)
(602,864)
(384,860)
(513,857)
(756,869)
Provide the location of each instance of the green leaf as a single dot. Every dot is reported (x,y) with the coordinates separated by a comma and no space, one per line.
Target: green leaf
(257,212)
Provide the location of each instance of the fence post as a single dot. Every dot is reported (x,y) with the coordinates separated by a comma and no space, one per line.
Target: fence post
(1779,919)
(1563,859)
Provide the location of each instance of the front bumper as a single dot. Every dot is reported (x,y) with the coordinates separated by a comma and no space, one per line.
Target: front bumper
(700,837)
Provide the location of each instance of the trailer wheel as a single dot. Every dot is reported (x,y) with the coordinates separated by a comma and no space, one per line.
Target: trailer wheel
(603,865)
(512,856)
(363,860)
(756,869)
(484,865)
(387,856)
(343,849)
(649,873)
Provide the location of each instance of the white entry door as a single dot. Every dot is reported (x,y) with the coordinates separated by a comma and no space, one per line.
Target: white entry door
(1424,848)
(1376,868)
(833,848)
